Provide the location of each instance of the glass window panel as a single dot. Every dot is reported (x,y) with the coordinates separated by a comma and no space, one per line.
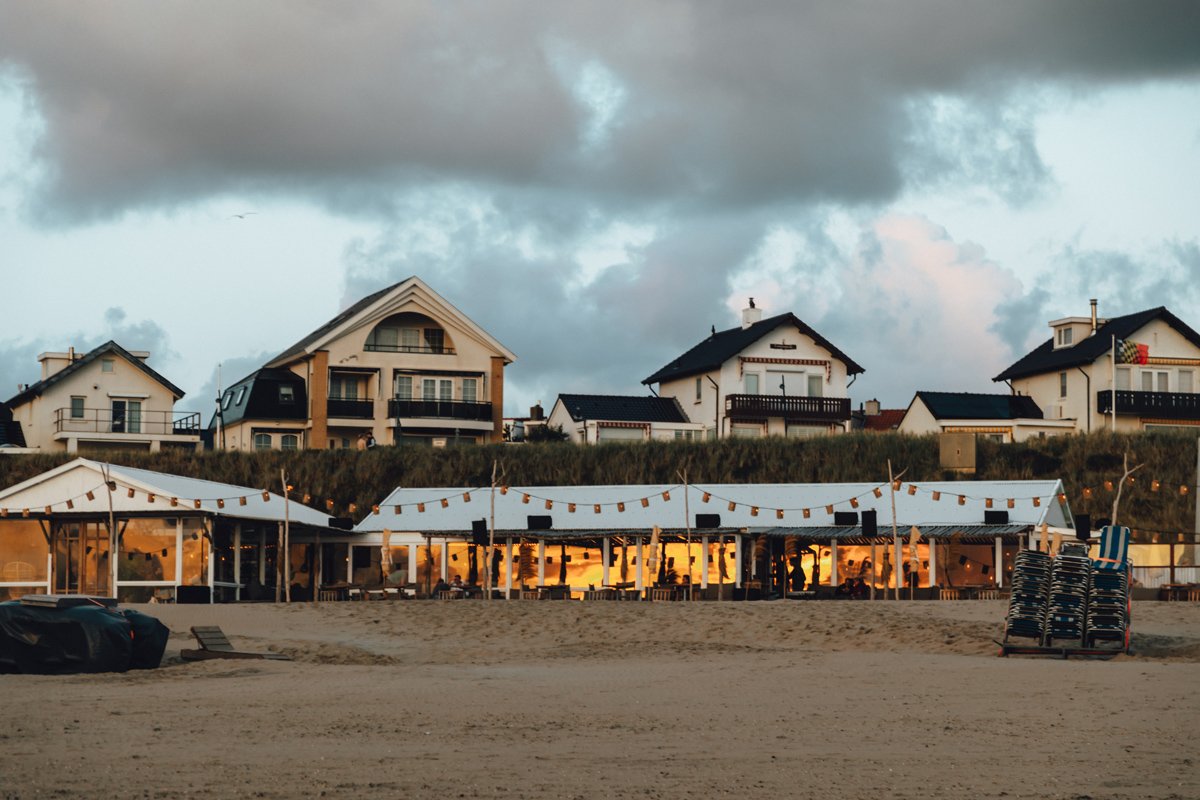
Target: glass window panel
(387,337)
(1186,381)
(106,365)
(751,384)
(445,390)
(1123,379)
(404,387)
(410,338)
(429,389)
(1147,381)
(195,554)
(23,551)
(815,386)
(429,565)
(434,338)
(262,441)
(135,416)
(77,407)
(469,390)
(147,551)
(289,441)
(747,431)
(1162,382)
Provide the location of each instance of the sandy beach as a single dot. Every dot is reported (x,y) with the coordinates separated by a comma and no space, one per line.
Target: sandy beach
(593,700)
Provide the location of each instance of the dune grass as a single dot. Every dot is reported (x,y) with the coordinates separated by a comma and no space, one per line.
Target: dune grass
(366,477)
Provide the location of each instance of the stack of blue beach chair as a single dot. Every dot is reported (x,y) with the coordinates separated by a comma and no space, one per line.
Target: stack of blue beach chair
(1108,607)
(1070,581)
(1027,600)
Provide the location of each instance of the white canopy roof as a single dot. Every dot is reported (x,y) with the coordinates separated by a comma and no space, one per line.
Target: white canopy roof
(72,482)
(919,508)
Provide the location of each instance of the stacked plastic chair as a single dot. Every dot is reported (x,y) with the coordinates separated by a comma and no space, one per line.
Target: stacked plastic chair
(1070,581)
(1029,593)
(1108,606)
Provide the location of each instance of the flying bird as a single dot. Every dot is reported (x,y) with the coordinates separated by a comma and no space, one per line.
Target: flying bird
(243,215)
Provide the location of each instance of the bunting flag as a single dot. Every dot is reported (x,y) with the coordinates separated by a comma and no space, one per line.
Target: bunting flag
(1132,352)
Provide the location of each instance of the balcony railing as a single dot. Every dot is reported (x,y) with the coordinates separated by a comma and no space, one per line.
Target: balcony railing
(439,409)
(1166,405)
(808,408)
(400,348)
(103,420)
(350,409)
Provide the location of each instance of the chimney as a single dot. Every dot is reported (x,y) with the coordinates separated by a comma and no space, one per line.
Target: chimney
(536,412)
(872,408)
(1093,302)
(71,354)
(751,315)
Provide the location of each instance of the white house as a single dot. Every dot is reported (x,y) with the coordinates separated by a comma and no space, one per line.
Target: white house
(1071,375)
(774,376)
(106,400)
(596,419)
(1002,417)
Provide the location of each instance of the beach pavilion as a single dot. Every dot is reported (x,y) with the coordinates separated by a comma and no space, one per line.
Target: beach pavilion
(726,540)
(92,528)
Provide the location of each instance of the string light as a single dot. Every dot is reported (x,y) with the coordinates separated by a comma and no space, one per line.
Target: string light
(878,493)
(549,504)
(570,508)
(754,511)
(732,505)
(242,502)
(420,508)
(220,503)
(937,495)
(466,497)
(597,508)
(149,498)
(1037,502)
(1012,503)
(525,499)
(375,510)
(988,503)
(445,504)
(779,513)
(807,513)
(70,505)
(912,489)
(131,493)
(705,498)
(396,509)
(646,502)
(266,497)
(1108,486)
(91,496)
(828,509)
(667,496)
(962,500)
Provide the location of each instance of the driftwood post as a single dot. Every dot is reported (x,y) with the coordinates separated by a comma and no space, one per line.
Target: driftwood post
(286,543)
(1121,485)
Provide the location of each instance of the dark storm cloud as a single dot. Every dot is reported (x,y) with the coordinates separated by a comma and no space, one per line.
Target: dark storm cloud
(148,104)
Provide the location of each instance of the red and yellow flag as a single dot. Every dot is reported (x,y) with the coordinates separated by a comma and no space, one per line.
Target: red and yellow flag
(1132,352)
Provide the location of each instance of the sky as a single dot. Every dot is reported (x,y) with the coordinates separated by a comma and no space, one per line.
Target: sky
(926,184)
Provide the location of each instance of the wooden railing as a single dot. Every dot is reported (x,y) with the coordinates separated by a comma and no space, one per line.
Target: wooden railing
(1167,405)
(808,408)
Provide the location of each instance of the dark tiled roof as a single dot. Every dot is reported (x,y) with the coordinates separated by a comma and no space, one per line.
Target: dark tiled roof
(299,347)
(33,390)
(10,431)
(261,398)
(886,420)
(1046,359)
(622,409)
(720,347)
(964,405)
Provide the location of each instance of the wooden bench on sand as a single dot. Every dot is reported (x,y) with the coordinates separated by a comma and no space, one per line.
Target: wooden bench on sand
(215,644)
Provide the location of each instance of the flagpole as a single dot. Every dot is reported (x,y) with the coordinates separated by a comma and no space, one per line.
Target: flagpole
(1113,377)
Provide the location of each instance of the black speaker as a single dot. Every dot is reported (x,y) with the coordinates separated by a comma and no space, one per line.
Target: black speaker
(869,527)
(708,521)
(845,518)
(995,517)
(1083,527)
(341,523)
(479,532)
(542,522)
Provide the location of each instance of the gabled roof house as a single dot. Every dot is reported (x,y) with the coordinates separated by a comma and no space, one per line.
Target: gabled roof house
(1152,384)
(598,418)
(774,376)
(107,399)
(1003,417)
(402,365)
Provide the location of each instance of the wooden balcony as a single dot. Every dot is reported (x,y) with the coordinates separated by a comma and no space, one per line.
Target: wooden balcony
(1162,405)
(439,409)
(815,409)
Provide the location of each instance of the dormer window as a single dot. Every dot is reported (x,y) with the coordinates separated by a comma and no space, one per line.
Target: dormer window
(1065,336)
(287,394)
(240,396)
(228,401)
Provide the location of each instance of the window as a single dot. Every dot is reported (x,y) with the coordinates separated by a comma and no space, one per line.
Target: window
(687,436)
(1123,379)
(815,386)
(1067,335)
(387,338)
(1153,381)
(228,401)
(747,431)
(404,387)
(751,383)
(470,392)
(135,416)
(77,407)
(711,434)
(106,365)
(287,394)
(445,390)
(240,396)
(345,444)
(428,389)
(262,441)
(434,339)
(410,339)
(698,390)
(343,389)
(1187,382)
(289,441)
(1062,384)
